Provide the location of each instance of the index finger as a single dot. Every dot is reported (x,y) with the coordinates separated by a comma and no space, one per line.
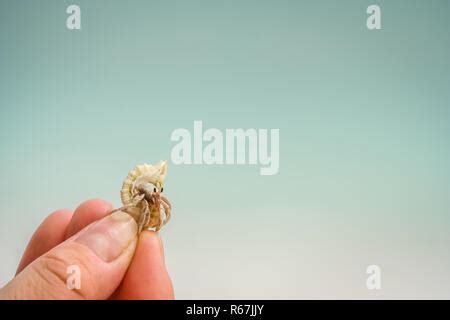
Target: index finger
(147,276)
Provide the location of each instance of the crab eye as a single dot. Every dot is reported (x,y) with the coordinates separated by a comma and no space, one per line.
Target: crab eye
(154,189)
(162,189)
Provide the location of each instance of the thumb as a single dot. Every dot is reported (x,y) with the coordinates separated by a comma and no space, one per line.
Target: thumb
(89,265)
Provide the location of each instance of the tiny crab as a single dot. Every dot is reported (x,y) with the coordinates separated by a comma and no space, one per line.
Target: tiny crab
(142,197)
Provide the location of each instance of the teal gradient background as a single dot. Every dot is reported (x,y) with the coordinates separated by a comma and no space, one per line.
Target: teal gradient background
(364,119)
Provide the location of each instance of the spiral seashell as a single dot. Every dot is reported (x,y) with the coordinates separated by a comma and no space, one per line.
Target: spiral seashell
(141,195)
(140,175)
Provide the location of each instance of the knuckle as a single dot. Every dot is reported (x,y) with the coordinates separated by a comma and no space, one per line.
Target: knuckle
(53,267)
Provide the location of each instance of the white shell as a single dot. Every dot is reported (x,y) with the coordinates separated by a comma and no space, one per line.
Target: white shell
(145,173)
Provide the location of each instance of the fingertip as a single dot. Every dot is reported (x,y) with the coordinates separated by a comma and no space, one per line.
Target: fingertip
(58,217)
(147,276)
(49,234)
(86,213)
(152,242)
(150,238)
(149,252)
(95,205)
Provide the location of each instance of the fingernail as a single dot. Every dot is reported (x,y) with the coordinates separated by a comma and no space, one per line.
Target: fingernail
(109,237)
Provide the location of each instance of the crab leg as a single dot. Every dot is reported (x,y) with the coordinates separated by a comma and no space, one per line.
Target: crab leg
(167,208)
(145,216)
(166,201)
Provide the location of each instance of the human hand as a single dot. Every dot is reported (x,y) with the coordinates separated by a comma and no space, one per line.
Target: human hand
(113,264)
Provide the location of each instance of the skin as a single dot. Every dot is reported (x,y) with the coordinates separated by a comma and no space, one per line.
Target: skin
(143,275)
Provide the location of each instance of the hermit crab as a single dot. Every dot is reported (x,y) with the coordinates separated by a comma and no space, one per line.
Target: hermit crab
(142,197)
